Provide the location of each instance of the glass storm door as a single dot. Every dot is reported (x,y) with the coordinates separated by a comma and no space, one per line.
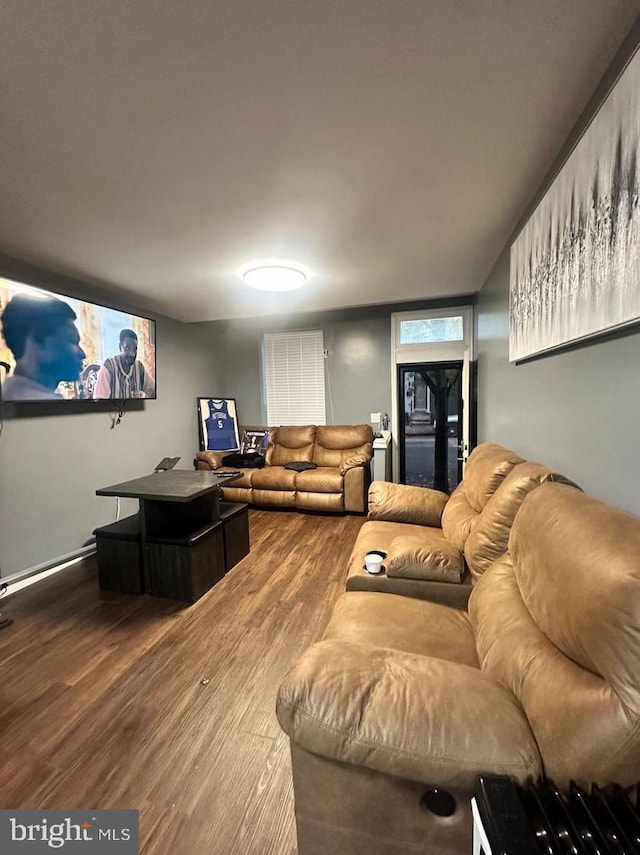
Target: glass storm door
(430,435)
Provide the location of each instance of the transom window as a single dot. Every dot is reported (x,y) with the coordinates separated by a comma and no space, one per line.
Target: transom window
(431,330)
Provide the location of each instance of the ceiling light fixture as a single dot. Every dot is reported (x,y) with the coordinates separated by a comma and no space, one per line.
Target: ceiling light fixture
(275,277)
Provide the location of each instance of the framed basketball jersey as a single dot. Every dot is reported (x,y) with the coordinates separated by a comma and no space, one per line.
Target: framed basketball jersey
(218,424)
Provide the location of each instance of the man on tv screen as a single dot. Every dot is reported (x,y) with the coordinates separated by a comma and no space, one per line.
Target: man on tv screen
(45,342)
(124,376)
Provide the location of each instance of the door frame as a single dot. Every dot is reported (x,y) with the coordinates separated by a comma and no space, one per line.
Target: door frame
(402,433)
(442,351)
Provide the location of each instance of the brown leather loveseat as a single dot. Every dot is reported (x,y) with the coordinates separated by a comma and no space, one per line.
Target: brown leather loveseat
(436,547)
(404,696)
(341,455)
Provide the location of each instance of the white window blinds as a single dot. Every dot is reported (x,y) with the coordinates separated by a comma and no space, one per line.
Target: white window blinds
(293,365)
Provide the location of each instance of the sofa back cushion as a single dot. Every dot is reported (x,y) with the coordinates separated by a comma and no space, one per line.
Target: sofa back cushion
(489,535)
(287,444)
(557,620)
(457,518)
(488,465)
(336,445)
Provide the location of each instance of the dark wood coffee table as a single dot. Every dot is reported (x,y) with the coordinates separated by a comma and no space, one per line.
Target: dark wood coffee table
(176,508)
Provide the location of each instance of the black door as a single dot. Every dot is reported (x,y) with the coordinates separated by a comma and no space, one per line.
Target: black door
(430,420)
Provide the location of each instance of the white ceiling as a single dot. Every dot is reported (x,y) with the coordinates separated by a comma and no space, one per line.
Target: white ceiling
(156,146)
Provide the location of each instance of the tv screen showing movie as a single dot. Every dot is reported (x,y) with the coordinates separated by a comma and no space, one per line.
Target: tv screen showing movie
(60,348)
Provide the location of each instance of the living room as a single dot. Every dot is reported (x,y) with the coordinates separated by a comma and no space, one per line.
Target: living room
(573,409)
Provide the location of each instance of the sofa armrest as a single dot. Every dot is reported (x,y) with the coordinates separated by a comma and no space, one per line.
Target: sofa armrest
(402,503)
(354,461)
(210,459)
(355,482)
(406,715)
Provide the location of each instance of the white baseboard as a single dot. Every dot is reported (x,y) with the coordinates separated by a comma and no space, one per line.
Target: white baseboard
(19,581)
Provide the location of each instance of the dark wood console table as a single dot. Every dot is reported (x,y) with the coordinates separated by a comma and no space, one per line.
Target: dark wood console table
(179,516)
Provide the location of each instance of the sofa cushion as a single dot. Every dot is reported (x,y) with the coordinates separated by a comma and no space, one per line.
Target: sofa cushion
(290,443)
(238,494)
(273,498)
(594,618)
(486,468)
(244,480)
(557,621)
(419,557)
(353,461)
(405,504)
(402,623)
(322,479)
(415,718)
(209,459)
(458,518)
(273,478)
(343,446)
(489,535)
(322,502)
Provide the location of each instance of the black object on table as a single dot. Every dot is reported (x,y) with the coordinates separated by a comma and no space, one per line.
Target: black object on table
(166,463)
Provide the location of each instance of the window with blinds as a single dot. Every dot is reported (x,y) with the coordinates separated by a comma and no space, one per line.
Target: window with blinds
(293,370)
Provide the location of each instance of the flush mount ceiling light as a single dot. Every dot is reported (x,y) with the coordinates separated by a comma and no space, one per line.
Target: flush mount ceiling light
(275,277)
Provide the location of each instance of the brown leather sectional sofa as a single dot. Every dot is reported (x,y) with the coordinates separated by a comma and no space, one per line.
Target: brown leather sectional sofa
(539,675)
(438,546)
(338,483)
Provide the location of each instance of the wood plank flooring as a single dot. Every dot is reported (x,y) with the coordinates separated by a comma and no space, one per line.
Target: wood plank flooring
(103,703)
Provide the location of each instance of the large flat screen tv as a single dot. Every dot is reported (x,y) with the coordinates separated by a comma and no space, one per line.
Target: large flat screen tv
(60,348)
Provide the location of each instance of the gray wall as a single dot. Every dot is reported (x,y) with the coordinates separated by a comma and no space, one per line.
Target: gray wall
(358,342)
(577,410)
(358,363)
(51,464)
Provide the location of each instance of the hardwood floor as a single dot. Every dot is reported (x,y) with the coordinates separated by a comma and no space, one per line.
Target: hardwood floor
(104,703)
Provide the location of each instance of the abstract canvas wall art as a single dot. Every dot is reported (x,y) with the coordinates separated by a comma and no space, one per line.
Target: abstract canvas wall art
(575,266)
